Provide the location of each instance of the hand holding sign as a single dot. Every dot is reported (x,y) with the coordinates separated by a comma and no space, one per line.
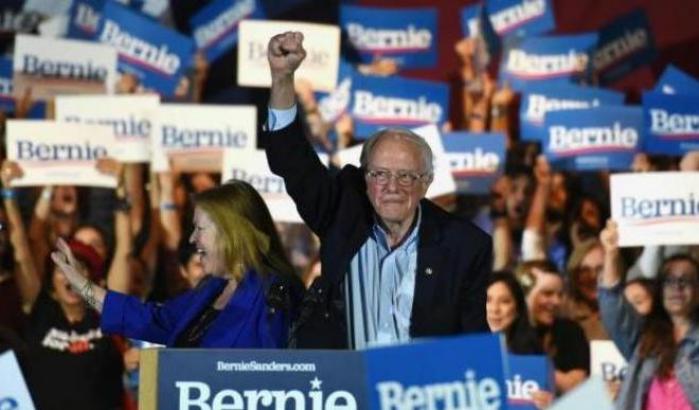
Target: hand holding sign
(285,54)
(10,170)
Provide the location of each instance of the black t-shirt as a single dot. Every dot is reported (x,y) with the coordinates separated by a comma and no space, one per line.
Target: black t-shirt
(570,347)
(73,365)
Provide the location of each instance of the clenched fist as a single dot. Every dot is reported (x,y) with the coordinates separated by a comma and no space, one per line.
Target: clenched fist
(285,53)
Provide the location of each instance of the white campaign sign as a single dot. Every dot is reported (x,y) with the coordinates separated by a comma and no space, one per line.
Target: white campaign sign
(203,131)
(321,42)
(127,116)
(656,208)
(56,153)
(13,389)
(53,66)
(252,168)
(606,361)
(443,182)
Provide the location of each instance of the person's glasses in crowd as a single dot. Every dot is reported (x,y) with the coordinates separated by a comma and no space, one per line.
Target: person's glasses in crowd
(679,282)
(403,178)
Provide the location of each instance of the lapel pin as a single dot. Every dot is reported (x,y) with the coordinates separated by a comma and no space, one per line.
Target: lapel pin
(428,271)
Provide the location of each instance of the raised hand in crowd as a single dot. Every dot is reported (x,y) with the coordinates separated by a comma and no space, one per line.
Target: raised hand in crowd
(381,67)
(609,237)
(534,239)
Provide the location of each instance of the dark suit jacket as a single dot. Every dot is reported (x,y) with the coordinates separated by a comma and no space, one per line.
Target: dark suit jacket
(453,261)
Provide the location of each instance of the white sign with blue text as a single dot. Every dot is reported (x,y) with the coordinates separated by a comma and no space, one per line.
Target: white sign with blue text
(193,136)
(127,116)
(656,208)
(321,42)
(57,153)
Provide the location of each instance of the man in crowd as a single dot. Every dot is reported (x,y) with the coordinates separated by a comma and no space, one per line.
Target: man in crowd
(394,266)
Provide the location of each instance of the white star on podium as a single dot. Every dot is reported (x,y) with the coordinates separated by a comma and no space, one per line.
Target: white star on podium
(315,383)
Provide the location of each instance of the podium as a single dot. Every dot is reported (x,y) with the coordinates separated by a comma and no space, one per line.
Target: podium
(460,372)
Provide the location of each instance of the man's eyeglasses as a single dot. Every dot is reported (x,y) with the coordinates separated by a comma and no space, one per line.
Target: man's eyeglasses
(403,178)
(679,283)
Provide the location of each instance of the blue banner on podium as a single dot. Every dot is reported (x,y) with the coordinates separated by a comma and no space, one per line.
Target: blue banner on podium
(526,375)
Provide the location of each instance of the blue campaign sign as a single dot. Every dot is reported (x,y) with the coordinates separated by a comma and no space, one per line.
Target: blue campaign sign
(520,18)
(476,159)
(624,45)
(671,123)
(7,102)
(676,81)
(464,372)
(215,27)
(250,379)
(84,19)
(332,105)
(552,59)
(7,97)
(474,22)
(396,102)
(538,99)
(408,35)
(526,375)
(594,139)
(156,55)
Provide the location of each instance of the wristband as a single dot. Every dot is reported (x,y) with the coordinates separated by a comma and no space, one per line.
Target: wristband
(9,193)
(168,206)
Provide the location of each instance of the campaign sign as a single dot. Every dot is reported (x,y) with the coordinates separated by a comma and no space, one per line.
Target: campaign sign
(595,139)
(671,123)
(443,182)
(332,105)
(407,35)
(321,42)
(52,66)
(254,379)
(252,167)
(56,153)
(14,394)
(624,44)
(156,55)
(396,102)
(606,361)
(656,208)
(527,374)
(476,159)
(192,137)
(215,27)
(475,22)
(128,116)
(539,99)
(7,100)
(553,59)
(464,372)
(520,18)
(84,18)
(676,81)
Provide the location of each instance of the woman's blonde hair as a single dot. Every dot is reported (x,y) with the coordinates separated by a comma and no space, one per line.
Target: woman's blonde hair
(247,235)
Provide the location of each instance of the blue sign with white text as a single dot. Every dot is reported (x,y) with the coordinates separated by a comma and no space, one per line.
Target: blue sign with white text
(84,19)
(547,59)
(156,55)
(215,27)
(676,81)
(475,22)
(520,18)
(396,102)
(408,36)
(7,97)
(476,159)
(332,105)
(464,372)
(671,123)
(527,374)
(538,99)
(624,45)
(605,138)
(249,379)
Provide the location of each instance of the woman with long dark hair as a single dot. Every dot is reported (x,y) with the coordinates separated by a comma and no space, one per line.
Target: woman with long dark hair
(662,347)
(245,301)
(506,312)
